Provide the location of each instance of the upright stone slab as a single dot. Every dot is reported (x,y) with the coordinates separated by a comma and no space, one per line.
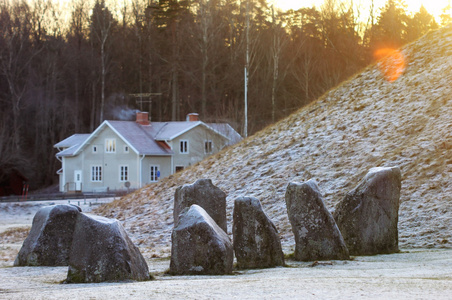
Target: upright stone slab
(368,215)
(203,193)
(317,236)
(50,237)
(200,246)
(102,251)
(256,240)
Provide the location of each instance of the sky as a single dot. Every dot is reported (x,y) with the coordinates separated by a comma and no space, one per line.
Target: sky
(434,7)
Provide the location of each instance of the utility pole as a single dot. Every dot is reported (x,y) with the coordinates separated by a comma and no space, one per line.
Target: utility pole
(247,65)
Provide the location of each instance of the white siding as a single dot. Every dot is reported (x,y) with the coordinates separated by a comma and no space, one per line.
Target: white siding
(196,151)
(138,166)
(164,164)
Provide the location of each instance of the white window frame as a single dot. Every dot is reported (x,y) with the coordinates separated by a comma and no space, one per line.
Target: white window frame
(153,170)
(207,142)
(110,145)
(96,173)
(123,173)
(184,147)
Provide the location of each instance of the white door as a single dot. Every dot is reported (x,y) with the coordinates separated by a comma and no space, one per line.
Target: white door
(78,180)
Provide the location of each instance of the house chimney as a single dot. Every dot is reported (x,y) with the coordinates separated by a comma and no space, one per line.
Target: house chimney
(193,117)
(142,118)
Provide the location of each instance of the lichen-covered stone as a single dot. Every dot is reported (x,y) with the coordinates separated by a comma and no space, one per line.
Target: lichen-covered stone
(368,215)
(50,237)
(317,236)
(203,193)
(256,241)
(200,246)
(102,251)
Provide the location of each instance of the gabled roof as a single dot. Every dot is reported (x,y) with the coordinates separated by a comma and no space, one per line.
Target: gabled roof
(226,130)
(75,139)
(69,151)
(71,144)
(139,137)
(132,133)
(144,139)
(167,131)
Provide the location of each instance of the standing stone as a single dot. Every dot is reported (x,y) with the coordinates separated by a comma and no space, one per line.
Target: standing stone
(256,240)
(102,251)
(205,194)
(50,237)
(368,215)
(317,236)
(200,246)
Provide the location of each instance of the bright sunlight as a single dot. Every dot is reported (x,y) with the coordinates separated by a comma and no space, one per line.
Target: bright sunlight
(434,7)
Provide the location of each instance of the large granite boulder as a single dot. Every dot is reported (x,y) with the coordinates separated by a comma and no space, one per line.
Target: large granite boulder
(368,215)
(256,240)
(50,238)
(317,236)
(102,251)
(203,193)
(200,246)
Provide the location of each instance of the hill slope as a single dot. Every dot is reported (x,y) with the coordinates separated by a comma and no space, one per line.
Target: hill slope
(365,122)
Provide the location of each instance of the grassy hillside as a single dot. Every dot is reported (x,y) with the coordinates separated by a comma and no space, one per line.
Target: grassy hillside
(365,122)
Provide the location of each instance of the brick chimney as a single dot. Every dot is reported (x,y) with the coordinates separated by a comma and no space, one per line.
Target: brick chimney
(192,117)
(142,118)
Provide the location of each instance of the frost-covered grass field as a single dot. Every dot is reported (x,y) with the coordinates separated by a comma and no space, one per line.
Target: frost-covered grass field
(416,275)
(411,274)
(365,122)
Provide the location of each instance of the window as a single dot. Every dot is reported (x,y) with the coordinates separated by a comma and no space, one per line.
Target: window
(179,168)
(208,147)
(94,149)
(123,173)
(96,173)
(126,149)
(154,173)
(184,146)
(110,145)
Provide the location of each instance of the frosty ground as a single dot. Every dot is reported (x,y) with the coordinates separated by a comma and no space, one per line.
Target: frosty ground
(412,273)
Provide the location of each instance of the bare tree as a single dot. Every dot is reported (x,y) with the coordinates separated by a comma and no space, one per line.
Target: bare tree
(77,35)
(102,22)
(207,30)
(16,56)
(279,43)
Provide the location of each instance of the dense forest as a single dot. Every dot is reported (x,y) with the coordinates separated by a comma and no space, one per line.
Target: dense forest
(64,71)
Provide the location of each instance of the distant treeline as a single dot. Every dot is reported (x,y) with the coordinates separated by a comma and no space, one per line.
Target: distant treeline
(60,76)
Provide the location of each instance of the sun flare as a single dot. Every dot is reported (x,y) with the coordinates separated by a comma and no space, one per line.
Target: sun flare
(391,63)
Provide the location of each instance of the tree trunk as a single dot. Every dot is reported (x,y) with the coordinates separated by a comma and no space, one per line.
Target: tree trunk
(93,107)
(102,96)
(174,100)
